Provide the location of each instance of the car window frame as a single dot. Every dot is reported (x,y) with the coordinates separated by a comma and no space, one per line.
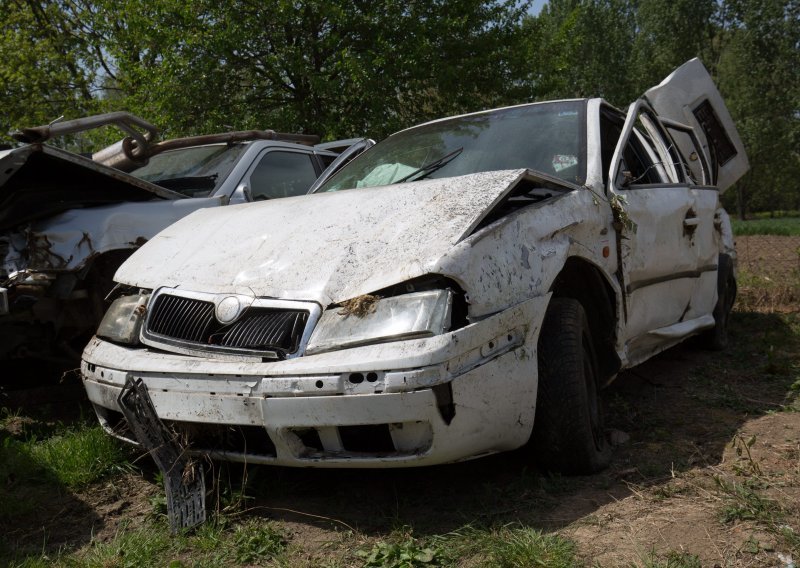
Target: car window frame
(263,153)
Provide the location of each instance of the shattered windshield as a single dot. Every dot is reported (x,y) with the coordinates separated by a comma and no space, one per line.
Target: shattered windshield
(196,171)
(548,137)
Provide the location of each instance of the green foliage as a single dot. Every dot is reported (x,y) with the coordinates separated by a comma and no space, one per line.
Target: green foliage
(339,69)
(580,49)
(671,32)
(746,504)
(786,226)
(759,76)
(255,541)
(330,67)
(45,64)
(405,554)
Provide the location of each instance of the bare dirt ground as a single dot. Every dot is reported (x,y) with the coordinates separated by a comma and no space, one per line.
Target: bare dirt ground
(768,254)
(708,464)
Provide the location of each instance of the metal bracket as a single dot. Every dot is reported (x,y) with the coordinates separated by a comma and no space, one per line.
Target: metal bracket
(184,482)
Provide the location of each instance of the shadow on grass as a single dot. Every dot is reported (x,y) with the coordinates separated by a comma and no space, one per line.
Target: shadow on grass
(680,410)
(39,513)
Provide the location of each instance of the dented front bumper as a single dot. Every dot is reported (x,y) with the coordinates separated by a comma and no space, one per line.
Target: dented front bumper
(446,398)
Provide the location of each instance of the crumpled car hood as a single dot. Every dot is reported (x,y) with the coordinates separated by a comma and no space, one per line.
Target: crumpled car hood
(39,181)
(325,247)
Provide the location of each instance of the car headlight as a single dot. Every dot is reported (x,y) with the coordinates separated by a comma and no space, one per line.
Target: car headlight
(124,318)
(409,316)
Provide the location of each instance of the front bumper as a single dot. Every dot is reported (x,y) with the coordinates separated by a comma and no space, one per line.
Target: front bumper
(451,397)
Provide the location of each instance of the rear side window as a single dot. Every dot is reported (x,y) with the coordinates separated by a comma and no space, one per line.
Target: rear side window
(282,174)
(689,156)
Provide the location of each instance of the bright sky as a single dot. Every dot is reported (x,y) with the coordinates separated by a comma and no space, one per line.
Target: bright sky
(536,6)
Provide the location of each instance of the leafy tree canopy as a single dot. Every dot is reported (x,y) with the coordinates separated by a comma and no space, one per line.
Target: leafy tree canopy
(341,68)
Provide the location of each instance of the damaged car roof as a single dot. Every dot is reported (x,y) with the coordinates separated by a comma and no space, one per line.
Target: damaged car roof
(38,181)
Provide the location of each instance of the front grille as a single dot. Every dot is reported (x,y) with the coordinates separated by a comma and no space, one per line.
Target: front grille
(191,321)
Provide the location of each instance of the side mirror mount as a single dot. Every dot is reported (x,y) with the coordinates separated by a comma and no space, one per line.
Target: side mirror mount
(242,194)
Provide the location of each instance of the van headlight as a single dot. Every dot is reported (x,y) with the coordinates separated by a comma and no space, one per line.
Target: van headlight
(123,320)
(408,316)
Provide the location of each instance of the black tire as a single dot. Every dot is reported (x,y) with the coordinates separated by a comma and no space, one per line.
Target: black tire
(716,338)
(568,435)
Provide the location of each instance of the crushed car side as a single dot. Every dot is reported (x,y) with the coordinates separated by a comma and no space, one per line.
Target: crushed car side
(69,222)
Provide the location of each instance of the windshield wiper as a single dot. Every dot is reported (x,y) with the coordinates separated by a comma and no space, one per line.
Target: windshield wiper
(428,169)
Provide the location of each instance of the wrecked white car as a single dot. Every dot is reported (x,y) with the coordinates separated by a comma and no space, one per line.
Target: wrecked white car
(463,287)
(67,222)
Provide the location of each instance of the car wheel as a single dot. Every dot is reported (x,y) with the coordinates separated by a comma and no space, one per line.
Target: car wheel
(569,435)
(716,338)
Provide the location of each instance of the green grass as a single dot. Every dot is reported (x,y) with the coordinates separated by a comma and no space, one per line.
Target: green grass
(501,547)
(784,226)
(252,543)
(37,460)
(511,546)
(73,457)
(78,457)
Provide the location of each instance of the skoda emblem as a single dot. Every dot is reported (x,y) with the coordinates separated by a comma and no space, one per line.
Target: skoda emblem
(228,310)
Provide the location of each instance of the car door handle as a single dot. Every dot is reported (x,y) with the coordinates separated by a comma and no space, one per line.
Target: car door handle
(690,223)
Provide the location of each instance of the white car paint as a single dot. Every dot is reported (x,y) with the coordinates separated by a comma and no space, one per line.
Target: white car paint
(351,242)
(652,246)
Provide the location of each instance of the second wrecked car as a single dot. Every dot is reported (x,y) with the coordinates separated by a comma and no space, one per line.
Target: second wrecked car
(67,222)
(463,288)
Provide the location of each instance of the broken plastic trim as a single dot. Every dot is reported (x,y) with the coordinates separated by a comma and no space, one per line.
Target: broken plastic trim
(183,478)
(529,190)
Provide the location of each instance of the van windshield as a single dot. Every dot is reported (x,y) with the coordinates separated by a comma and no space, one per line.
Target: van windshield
(197,171)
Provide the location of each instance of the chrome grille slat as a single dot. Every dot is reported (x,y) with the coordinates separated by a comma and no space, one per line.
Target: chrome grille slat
(271,331)
(189,321)
(266,331)
(170,311)
(200,318)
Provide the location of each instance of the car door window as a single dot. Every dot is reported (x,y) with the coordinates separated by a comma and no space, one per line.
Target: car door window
(690,155)
(649,156)
(666,159)
(282,174)
(637,165)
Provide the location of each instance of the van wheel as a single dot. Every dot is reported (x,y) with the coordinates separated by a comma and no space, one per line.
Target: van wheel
(568,435)
(716,338)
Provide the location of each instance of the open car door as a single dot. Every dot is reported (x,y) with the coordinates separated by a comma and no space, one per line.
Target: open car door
(688,96)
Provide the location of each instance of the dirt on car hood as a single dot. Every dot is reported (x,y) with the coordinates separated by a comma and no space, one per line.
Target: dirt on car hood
(38,181)
(325,247)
